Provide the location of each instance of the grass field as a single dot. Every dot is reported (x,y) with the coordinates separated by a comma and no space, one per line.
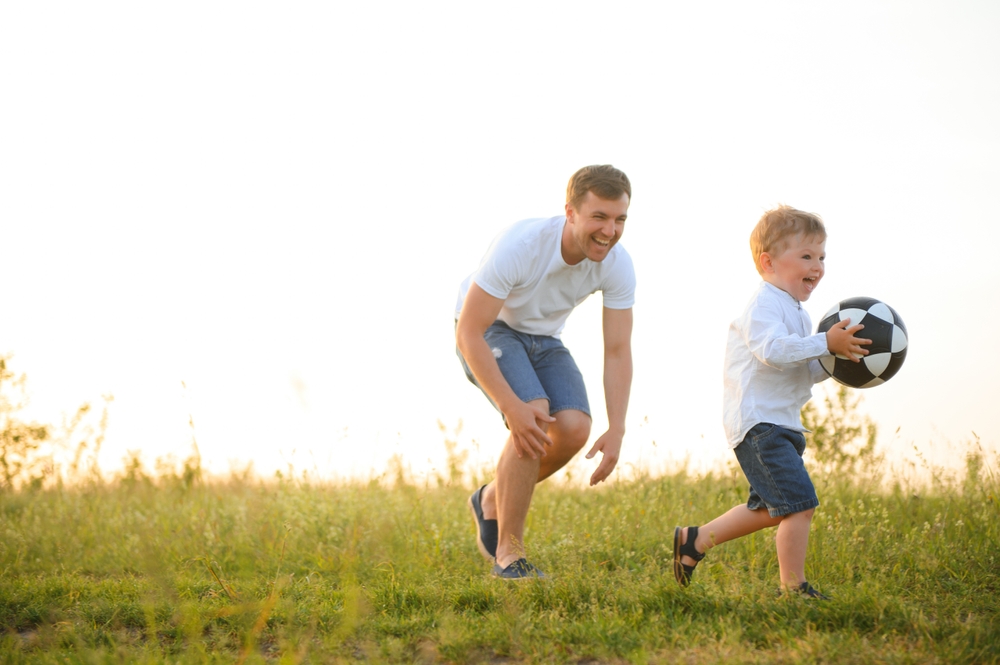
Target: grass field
(179,569)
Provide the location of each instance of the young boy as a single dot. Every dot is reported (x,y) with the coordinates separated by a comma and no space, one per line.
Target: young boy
(771,364)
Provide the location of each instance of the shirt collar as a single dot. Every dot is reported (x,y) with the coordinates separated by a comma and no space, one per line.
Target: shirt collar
(780,294)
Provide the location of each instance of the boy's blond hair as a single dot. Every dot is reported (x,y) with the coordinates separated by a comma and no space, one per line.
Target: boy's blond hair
(604,180)
(776,226)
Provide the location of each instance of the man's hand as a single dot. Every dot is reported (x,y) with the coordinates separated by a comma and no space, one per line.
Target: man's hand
(528,437)
(840,340)
(524,420)
(610,445)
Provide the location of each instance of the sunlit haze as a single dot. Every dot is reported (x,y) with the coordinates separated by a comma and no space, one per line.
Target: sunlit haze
(256,216)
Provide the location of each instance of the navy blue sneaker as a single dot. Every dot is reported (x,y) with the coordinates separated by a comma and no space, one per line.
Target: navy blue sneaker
(806,590)
(519,570)
(487,531)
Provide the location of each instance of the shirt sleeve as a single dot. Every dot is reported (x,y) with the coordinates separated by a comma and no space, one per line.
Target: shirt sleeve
(500,270)
(619,289)
(816,370)
(772,342)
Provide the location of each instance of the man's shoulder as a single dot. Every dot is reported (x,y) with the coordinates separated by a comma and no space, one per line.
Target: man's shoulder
(527,239)
(619,253)
(533,227)
(616,267)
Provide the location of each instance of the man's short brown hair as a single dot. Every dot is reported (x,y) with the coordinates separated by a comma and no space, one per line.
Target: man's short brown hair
(604,180)
(776,226)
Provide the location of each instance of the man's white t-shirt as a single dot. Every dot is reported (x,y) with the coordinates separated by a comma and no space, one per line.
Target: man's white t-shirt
(524,267)
(771,364)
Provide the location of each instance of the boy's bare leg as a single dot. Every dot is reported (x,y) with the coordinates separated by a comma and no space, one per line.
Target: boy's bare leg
(508,498)
(737,522)
(792,539)
(792,542)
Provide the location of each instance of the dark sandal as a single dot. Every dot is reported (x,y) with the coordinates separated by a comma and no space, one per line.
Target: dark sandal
(682,571)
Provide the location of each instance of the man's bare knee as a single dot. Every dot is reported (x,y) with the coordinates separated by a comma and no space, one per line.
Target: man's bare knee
(572,429)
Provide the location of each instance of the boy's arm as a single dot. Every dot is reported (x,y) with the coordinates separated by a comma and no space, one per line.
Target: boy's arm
(617,386)
(816,372)
(479,311)
(770,340)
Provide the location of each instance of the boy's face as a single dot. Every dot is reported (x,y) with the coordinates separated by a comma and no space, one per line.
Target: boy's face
(798,268)
(593,228)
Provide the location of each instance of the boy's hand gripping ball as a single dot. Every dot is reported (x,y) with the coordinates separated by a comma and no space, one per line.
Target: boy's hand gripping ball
(886,353)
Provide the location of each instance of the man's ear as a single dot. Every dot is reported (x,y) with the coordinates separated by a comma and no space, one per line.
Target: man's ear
(570,212)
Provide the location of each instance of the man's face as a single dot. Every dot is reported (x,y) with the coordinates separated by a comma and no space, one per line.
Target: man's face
(593,228)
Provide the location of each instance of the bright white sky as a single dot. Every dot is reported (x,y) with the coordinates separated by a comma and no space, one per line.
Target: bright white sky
(274,203)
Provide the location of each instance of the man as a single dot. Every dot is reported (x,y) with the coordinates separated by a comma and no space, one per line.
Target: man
(510,313)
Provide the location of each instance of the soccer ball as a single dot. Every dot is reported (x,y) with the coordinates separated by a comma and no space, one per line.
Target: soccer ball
(886,353)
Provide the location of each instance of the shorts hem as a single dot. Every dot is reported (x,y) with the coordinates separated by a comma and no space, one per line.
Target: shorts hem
(583,409)
(784,511)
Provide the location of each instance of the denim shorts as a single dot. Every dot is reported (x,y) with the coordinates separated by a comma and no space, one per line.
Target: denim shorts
(535,367)
(771,459)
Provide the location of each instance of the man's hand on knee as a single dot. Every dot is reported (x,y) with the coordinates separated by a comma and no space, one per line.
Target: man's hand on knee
(525,432)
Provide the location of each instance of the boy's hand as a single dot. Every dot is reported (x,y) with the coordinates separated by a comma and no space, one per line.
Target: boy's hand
(840,340)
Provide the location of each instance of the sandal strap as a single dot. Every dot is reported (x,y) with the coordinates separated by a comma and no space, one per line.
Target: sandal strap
(688,549)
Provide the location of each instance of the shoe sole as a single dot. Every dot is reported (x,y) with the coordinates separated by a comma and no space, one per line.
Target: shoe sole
(479,535)
(678,570)
(497,576)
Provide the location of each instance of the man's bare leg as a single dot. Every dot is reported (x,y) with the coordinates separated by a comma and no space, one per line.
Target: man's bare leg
(514,484)
(569,434)
(508,497)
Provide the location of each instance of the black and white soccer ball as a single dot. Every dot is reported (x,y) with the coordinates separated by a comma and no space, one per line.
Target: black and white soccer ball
(886,353)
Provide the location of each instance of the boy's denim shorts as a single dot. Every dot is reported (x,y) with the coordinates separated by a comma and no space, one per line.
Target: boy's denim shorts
(536,367)
(771,459)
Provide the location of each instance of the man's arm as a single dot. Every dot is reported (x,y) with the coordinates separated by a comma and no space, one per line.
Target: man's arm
(617,385)
(479,311)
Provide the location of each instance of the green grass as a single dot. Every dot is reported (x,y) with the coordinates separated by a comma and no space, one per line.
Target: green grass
(181,570)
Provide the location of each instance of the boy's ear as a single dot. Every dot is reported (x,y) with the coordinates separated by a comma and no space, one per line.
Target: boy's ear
(765,262)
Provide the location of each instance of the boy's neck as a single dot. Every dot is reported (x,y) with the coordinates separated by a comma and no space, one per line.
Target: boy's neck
(782,290)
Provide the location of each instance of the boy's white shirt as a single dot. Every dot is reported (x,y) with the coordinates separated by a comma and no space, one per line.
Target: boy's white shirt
(771,364)
(524,267)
